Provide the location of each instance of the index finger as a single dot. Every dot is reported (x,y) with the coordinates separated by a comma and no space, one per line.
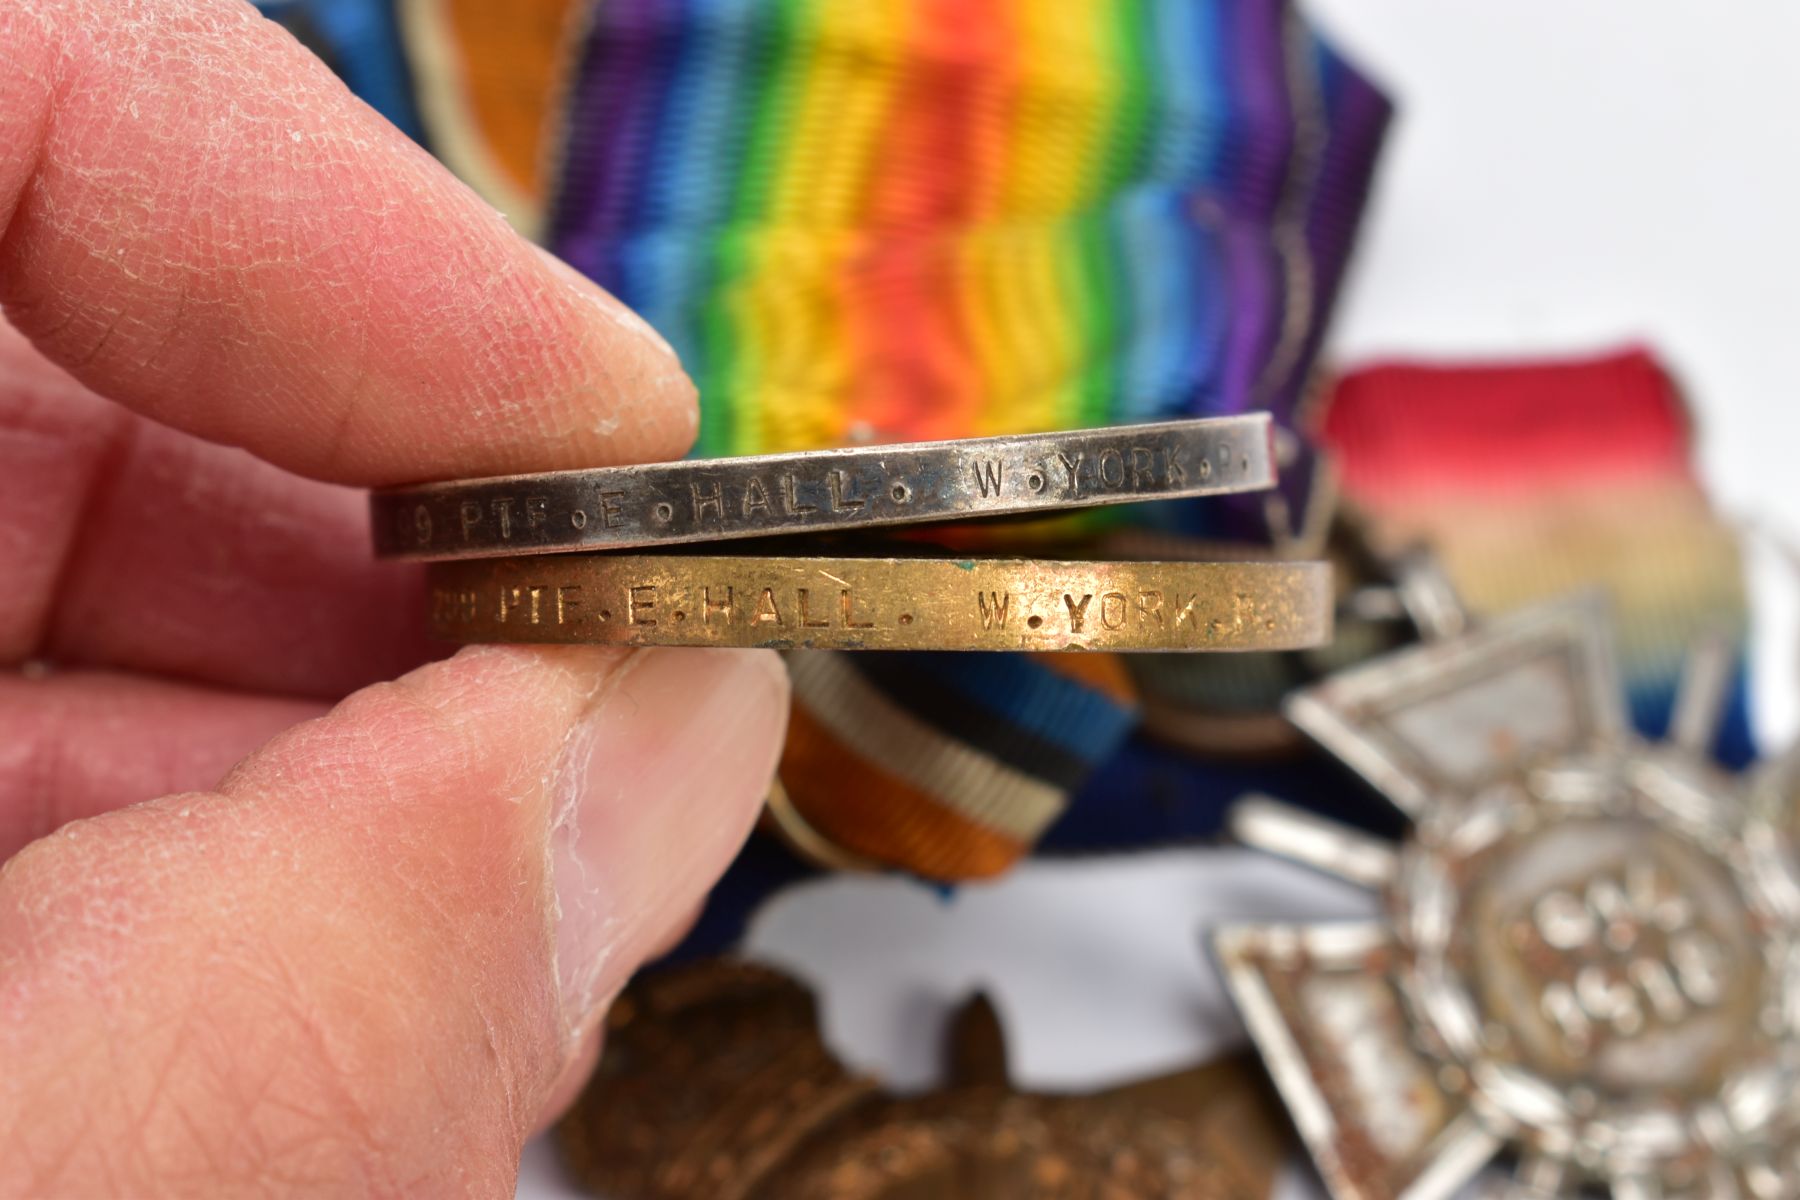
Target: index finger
(200,222)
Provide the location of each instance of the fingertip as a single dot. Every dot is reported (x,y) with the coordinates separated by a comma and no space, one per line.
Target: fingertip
(211,231)
(416,907)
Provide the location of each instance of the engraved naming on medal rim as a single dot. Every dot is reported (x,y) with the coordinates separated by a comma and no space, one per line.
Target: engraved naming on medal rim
(851,603)
(822,490)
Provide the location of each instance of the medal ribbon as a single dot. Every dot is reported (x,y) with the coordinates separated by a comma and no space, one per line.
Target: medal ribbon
(1531,480)
(913,219)
(916,219)
(1527,482)
(919,219)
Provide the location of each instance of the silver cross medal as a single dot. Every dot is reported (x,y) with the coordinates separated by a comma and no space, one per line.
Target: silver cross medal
(1586,971)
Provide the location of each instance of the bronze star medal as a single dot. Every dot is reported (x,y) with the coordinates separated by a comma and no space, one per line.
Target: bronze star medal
(1587,966)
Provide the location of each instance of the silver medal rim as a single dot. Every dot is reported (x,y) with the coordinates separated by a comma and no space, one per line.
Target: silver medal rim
(823,491)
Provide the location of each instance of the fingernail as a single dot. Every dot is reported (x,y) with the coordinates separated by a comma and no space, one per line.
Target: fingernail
(660,782)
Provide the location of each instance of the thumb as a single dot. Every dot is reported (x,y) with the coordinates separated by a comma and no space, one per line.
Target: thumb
(362,964)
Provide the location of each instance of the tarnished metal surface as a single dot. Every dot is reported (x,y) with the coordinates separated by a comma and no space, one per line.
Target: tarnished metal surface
(821,491)
(882,603)
(990,1143)
(1322,1005)
(1591,952)
(714,1085)
(1431,724)
(710,1077)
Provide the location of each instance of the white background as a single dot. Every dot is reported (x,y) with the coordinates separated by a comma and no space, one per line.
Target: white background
(1562,177)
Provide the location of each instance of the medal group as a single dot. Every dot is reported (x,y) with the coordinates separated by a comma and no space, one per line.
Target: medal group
(1005,320)
(614,592)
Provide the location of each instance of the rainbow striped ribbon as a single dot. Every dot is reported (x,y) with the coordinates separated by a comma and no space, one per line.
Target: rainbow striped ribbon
(911,219)
(917,218)
(903,219)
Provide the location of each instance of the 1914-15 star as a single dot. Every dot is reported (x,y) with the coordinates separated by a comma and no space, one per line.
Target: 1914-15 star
(1587,970)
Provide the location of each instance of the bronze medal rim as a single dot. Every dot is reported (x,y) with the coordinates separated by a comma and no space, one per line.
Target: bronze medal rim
(953,604)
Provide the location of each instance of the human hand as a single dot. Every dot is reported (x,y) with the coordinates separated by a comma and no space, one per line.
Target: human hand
(373,957)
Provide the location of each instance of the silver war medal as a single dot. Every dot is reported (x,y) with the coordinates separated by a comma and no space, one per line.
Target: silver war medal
(1588,962)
